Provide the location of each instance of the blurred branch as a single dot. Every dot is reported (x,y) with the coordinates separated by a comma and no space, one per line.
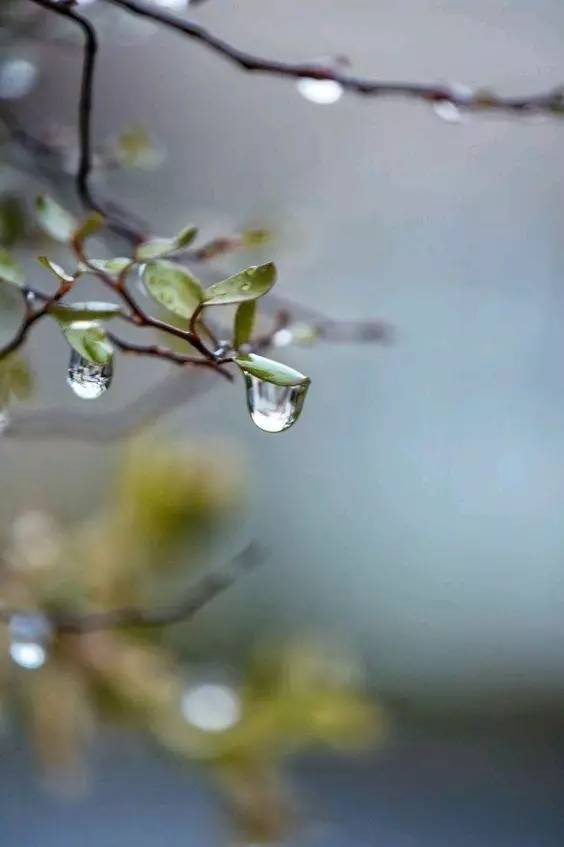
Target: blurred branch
(551,102)
(202,592)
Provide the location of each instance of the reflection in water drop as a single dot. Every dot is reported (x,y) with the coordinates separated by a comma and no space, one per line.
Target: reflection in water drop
(448,111)
(322,91)
(274,408)
(88,380)
(17,78)
(29,636)
(211,707)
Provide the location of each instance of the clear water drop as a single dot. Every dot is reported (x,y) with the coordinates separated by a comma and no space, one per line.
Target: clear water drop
(211,707)
(29,637)
(17,78)
(274,408)
(447,111)
(321,91)
(88,380)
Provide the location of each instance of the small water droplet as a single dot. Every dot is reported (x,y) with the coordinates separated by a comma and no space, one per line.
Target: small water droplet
(211,707)
(29,637)
(17,78)
(274,408)
(322,91)
(223,349)
(88,380)
(447,111)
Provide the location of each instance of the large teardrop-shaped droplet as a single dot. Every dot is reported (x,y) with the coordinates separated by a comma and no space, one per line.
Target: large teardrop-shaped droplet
(274,408)
(30,634)
(87,379)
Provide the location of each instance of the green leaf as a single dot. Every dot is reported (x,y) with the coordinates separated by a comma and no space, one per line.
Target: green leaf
(91,342)
(270,371)
(112,267)
(88,227)
(249,284)
(163,246)
(244,322)
(55,269)
(12,312)
(54,220)
(173,287)
(69,313)
(134,149)
(10,271)
(12,220)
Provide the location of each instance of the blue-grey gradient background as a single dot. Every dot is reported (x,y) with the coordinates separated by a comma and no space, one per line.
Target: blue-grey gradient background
(416,509)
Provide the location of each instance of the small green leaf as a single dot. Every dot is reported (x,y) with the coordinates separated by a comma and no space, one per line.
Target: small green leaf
(112,267)
(55,269)
(249,284)
(69,313)
(134,149)
(270,371)
(173,287)
(10,271)
(88,227)
(256,237)
(54,220)
(244,322)
(164,246)
(91,342)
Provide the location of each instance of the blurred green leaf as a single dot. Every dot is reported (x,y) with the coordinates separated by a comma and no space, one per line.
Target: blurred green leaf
(88,227)
(270,371)
(134,149)
(112,267)
(249,284)
(54,220)
(12,220)
(10,271)
(163,246)
(244,322)
(16,380)
(56,269)
(90,341)
(173,287)
(94,310)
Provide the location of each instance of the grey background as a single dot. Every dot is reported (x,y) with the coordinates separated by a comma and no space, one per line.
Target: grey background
(417,506)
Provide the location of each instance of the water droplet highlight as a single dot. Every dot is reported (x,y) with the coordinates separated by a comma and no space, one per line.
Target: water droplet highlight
(447,111)
(29,636)
(211,707)
(274,408)
(88,380)
(321,91)
(17,78)
(4,421)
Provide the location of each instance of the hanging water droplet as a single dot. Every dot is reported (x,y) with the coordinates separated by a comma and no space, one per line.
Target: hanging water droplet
(17,78)
(88,380)
(30,634)
(224,348)
(447,111)
(274,408)
(322,91)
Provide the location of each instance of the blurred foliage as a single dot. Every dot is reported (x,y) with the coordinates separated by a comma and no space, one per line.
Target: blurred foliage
(285,698)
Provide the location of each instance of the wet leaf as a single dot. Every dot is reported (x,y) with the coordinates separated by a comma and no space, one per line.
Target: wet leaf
(173,287)
(112,267)
(91,342)
(88,227)
(249,284)
(94,310)
(164,246)
(54,220)
(244,322)
(56,269)
(270,371)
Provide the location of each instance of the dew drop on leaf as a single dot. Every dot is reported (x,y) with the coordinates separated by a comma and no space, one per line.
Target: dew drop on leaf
(30,634)
(87,379)
(274,408)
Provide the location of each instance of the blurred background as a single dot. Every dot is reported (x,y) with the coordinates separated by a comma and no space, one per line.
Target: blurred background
(413,513)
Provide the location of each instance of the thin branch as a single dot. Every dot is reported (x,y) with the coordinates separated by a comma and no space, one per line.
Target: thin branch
(551,101)
(203,591)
